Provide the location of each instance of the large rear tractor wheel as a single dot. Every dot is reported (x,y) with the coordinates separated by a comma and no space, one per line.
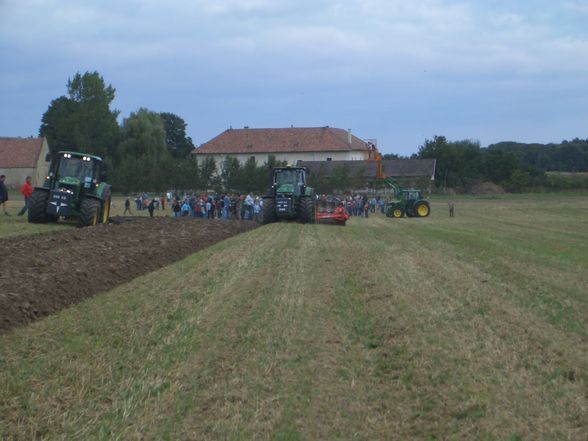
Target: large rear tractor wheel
(89,212)
(268,215)
(307,213)
(422,209)
(38,207)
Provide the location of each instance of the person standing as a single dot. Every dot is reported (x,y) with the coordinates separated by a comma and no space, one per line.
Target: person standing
(127,206)
(3,194)
(249,206)
(27,191)
(151,207)
(451,209)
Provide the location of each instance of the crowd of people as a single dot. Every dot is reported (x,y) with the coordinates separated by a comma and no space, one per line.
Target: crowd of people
(221,206)
(361,205)
(238,206)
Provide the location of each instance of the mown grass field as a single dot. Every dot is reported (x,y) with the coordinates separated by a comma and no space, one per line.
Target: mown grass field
(14,225)
(473,327)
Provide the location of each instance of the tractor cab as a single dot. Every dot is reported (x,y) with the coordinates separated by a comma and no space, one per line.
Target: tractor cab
(291,180)
(411,195)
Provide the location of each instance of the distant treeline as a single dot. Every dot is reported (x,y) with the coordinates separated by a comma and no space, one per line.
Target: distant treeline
(150,151)
(461,165)
(568,156)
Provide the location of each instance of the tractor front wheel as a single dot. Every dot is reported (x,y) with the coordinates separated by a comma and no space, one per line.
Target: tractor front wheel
(38,207)
(268,214)
(89,212)
(422,209)
(397,212)
(307,214)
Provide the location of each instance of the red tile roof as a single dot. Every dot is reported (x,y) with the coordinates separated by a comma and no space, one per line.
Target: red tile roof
(20,152)
(292,140)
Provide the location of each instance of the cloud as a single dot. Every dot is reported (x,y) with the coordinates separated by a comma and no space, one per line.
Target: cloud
(576,6)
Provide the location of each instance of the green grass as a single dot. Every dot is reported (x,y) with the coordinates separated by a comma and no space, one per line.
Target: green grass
(13,225)
(473,327)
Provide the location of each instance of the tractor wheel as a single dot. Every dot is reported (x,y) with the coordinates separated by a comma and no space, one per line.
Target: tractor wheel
(306,214)
(38,207)
(268,215)
(89,212)
(397,212)
(422,209)
(105,210)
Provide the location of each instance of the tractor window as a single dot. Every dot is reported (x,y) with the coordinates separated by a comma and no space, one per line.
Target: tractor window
(76,168)
(286,177)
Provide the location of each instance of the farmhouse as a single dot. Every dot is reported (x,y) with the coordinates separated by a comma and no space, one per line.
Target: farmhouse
(22,157)
(285,144)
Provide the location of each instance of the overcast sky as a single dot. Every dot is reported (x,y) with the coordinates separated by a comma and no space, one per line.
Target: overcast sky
(398,71)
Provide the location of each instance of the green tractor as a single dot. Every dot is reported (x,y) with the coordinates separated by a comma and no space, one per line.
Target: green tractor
(411,203)
(289,197)
(74,189)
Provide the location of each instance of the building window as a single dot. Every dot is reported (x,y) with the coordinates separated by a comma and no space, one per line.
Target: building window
(329,159)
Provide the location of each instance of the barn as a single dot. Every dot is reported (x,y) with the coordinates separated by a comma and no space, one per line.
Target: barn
(22,157)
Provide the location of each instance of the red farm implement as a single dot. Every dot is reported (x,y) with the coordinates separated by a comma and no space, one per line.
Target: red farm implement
(331,211)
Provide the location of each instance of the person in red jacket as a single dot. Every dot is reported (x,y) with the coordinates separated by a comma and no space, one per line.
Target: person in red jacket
(27,191)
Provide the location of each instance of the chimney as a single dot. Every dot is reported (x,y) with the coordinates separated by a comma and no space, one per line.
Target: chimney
(349,136)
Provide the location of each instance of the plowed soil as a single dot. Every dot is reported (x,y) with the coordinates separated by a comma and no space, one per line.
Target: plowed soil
(44,273)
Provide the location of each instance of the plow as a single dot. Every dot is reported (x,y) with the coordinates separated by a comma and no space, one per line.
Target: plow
(330,211)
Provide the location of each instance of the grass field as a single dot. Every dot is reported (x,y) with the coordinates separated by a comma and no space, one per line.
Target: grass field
(14,225)
(473,327)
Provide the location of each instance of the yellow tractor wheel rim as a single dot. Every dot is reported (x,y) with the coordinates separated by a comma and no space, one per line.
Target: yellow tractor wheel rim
(397,213)
(106,211)
(423,210)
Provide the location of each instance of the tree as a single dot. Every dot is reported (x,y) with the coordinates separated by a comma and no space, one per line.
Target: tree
(179,145)
(207,172)
(457,162)
(83,121)
(231,174)
(144,163)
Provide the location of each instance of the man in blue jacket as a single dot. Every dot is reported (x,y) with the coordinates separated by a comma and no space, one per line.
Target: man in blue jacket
(3,194)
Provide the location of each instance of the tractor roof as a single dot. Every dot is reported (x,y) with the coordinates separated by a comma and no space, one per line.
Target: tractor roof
(97,158)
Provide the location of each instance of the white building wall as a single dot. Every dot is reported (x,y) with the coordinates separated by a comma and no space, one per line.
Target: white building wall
(290,158)
(15,177)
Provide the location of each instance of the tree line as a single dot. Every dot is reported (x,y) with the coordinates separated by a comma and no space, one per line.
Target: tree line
(516,167)
(149,151)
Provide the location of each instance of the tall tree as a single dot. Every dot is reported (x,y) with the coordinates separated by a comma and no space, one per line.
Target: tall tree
(144,163)
(231,174)
(457,161)
(82,121)
(179,144)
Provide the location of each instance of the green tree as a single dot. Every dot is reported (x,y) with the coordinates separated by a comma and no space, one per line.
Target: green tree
(457,162)
(83,121)
(144,163)
(231,174)
(179,144)
(207,172)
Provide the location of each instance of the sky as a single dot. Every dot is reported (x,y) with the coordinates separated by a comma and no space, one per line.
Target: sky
(396,71)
